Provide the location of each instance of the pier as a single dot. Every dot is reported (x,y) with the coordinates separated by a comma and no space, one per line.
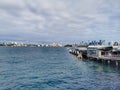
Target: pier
(102,54)
(78,52)
(109,60)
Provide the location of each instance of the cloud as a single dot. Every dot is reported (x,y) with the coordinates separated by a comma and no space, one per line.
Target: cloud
(65,19)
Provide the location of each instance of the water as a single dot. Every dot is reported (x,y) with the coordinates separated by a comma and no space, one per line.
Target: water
(37,68)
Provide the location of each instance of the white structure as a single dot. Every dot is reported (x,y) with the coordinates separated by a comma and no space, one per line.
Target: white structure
(98,51)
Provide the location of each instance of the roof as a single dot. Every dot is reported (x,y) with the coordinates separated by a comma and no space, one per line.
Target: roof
(101,47)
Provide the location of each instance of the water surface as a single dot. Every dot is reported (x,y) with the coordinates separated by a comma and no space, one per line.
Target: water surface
(37,68)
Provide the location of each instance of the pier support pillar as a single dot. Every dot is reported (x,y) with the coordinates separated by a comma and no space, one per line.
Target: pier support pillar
(108,61)
(116,63)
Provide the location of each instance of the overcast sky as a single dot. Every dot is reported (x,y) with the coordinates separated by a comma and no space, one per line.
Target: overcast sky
(59,20)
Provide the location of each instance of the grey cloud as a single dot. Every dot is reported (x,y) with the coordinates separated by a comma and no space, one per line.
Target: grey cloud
(64,19)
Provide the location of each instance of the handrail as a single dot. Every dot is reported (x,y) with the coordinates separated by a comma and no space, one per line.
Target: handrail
(111,55)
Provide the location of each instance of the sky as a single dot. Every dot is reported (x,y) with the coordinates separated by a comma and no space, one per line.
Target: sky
(59,20)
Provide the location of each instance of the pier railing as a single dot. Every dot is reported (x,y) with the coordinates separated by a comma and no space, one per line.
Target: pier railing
(111,57)
(106,57)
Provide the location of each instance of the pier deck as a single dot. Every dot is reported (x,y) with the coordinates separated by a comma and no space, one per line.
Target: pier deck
(106,58)
(110,60)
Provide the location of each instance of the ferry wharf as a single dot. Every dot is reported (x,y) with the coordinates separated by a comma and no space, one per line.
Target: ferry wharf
(104,54)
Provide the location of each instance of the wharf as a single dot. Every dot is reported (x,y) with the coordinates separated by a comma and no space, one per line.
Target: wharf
(106,59)
(114,61)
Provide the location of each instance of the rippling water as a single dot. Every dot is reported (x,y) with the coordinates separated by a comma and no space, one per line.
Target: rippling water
(36,68)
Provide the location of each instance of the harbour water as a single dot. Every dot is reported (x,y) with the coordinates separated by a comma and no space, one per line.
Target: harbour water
(48,68)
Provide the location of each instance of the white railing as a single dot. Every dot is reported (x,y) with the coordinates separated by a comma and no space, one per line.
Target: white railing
(106,57)
(112,57)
